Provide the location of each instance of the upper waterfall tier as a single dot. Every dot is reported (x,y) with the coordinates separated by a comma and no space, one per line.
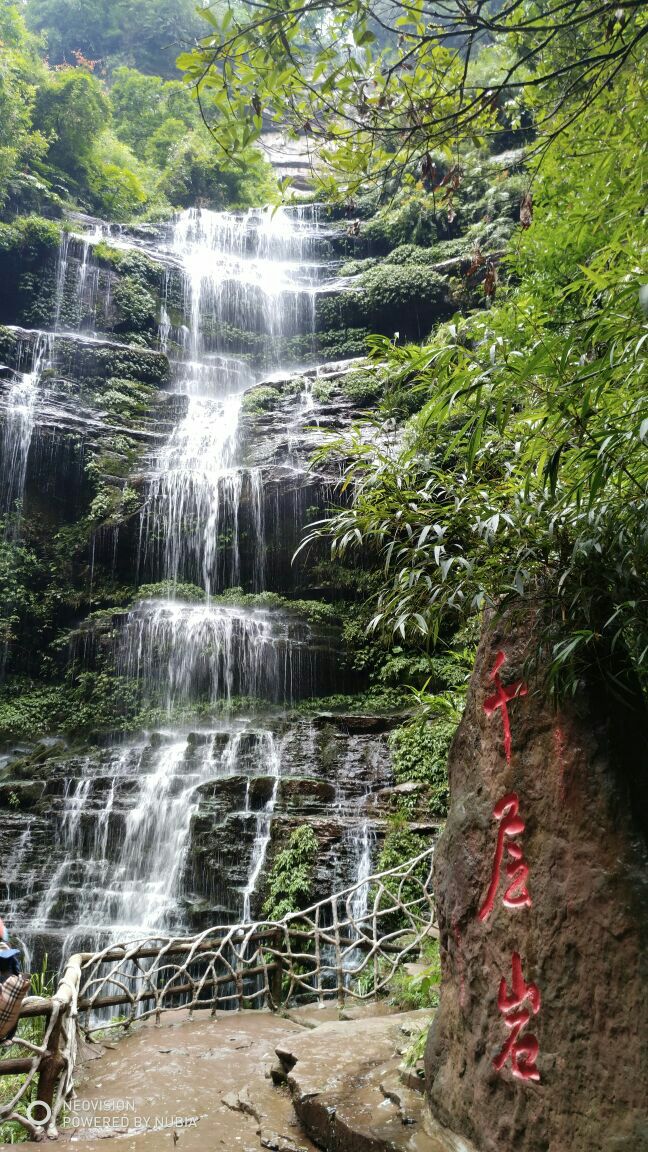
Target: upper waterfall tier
(257,273)
(226,284)
(214,652)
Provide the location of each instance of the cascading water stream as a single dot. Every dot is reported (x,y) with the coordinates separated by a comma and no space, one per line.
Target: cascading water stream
(263,829)
(364,850)
(21,400)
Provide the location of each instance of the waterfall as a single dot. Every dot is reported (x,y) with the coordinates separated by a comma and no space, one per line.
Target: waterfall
(20,400)
(125,825)
(129,817)
(363,844)
(195,492)
(77,297)
(245,276)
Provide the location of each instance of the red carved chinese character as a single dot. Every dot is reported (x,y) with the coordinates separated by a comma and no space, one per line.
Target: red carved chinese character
(516,894)
(501,699)
(523,1053)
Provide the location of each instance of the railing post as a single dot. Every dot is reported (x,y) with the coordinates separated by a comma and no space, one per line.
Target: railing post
(338,956)
(52,1062)
(275,982)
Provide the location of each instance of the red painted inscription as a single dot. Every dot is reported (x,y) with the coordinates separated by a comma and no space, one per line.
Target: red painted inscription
(503,694)
(511,825)
(522,1051)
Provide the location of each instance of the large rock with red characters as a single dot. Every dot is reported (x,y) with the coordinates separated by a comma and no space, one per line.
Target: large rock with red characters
(541,1040)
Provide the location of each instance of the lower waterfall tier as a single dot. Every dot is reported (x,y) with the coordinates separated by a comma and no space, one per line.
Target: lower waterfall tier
(177,830)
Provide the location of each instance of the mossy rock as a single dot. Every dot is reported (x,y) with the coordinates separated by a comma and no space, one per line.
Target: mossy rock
(406,298)
(136,305)
(260,399)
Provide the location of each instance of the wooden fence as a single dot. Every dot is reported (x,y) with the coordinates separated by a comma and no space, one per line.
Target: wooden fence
(347,946)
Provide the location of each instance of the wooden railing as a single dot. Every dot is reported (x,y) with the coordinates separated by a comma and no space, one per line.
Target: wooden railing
(347,946)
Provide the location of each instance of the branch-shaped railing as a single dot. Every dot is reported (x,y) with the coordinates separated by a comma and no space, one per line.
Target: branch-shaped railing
(347,946)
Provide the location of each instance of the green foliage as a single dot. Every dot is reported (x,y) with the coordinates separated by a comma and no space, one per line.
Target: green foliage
(189,593)
(290,879)
(400,846)
(363,387)
(20,578)
(412,222)
(121,145)
(421,990)
(260,399)
(29,238)
(525,471)
(126,399)
(420,753)
(20,145)
(372,702)
(136,305)
(198,172)
(385,94)
(144,107)
(407,298)
(316,611)
(119,185)
(96,702)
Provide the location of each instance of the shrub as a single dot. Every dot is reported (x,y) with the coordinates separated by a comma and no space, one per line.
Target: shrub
(420,753)
(291,877)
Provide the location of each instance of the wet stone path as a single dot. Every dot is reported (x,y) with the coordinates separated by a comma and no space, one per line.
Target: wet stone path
(187,1086)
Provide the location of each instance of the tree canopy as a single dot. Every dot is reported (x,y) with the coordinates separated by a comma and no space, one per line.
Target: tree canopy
(145,34)
(101,135)
(377,85)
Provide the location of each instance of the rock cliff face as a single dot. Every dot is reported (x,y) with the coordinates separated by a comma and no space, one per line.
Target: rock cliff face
(541,1040)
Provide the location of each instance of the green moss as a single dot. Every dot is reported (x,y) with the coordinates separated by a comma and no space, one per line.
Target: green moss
(28,250)
(261,399)
(357,267)
(315,611)
(136,305)
(407,298)
(372,702)
(104,254)
(30,710)
(363,387)
(127,399)
(189,593)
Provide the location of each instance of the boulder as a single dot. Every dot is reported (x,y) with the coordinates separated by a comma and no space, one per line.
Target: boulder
(541,878)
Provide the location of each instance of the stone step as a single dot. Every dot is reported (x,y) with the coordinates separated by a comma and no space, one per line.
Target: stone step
(348,1091)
